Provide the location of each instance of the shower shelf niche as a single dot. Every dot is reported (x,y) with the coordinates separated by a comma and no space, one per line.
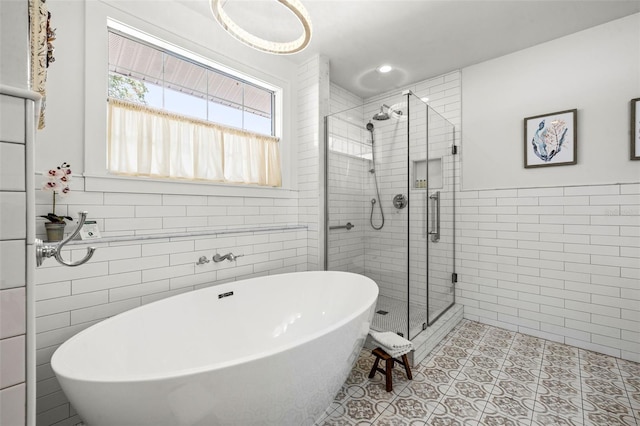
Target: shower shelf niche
(420,178)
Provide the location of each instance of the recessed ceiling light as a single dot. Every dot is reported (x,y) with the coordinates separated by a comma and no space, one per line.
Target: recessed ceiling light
(384,68)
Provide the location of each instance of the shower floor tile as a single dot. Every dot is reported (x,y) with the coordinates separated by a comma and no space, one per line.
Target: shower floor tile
(483,375)
(394,317)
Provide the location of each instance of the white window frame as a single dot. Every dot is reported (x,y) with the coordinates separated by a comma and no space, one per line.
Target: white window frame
(198,60)
(100,16)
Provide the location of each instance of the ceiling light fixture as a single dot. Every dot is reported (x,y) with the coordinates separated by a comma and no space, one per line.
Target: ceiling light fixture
(280,48)
(384,68)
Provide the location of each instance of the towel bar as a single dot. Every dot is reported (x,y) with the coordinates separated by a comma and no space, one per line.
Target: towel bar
(348,226)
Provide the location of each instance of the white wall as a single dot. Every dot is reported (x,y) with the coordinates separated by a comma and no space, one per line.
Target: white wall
(554,252)
(596,71)
(14,43)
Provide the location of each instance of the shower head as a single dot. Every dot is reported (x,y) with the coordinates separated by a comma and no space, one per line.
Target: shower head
(381,116)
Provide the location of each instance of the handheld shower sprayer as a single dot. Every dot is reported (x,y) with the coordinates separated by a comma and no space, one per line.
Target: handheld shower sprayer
(372,170)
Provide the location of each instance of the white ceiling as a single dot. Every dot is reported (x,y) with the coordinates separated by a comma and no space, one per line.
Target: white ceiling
(419,38)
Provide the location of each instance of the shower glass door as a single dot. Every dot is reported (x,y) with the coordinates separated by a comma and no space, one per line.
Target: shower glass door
(417,164)
(348,158)
(389,207)
(440,200)
(366,156)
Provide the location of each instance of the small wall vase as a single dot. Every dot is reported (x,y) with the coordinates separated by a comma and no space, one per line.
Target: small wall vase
(55,231)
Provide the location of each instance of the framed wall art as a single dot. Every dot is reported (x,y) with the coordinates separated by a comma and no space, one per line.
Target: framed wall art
(635,129)
(551,139)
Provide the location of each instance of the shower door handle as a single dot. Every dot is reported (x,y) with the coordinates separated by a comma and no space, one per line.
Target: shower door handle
(435,216)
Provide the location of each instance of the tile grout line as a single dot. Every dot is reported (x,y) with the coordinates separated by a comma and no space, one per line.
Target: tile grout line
(489,396)
(535,396)
(432,355)
(486,330)
(499,373)
(627,392)
(584,422)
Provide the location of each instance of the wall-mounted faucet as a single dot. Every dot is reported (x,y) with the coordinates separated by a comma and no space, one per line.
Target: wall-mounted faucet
(229,256)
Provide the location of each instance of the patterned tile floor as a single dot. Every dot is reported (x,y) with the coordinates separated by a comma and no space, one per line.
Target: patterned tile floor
(483,375)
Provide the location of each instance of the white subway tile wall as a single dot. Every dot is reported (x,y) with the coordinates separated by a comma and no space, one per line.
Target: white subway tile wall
(125,274)
(313,99)
(560,263)
(13,234)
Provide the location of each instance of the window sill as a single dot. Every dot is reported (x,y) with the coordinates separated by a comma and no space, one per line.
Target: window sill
(112,183)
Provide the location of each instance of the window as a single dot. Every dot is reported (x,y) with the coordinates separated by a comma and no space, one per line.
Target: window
(175,117)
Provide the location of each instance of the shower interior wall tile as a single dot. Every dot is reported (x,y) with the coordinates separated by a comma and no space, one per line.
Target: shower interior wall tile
(347,151)
(342,100)
(387,264)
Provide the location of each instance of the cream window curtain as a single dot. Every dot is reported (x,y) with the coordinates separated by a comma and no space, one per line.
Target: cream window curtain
(145,141)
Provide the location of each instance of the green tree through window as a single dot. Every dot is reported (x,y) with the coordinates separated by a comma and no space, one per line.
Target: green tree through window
(127,89)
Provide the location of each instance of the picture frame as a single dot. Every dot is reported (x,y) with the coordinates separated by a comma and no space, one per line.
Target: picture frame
(551,139)
(634,151)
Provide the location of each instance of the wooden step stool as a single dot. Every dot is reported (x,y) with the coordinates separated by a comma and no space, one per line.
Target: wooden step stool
(380,354)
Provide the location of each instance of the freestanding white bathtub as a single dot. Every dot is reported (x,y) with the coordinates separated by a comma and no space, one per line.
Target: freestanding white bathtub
(264,351)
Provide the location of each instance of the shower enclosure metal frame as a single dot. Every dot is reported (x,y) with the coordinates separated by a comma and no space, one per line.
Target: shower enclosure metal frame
(408,96)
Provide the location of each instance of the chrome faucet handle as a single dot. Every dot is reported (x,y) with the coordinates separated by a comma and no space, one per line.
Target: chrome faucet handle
(229,256)
(232,257)
(202,260)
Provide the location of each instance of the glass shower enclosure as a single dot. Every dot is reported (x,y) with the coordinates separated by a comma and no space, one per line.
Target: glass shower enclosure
(389,207)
